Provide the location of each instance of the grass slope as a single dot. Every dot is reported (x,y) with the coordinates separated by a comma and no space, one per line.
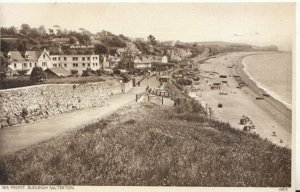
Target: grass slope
(146,144)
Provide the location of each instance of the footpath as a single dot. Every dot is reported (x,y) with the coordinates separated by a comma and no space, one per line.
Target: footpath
(21,136)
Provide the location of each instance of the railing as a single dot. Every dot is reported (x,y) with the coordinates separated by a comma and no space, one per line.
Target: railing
(159,93)
(138,96)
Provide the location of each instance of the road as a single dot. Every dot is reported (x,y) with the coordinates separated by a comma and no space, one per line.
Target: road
(21,136)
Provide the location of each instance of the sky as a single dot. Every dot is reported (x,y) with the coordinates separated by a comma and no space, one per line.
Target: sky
(254,23)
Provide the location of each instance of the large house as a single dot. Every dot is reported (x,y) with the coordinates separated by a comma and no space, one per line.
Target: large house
(16,60)
(45,60)
(76,62)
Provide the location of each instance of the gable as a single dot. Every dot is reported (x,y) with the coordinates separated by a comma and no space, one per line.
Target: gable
(44,56)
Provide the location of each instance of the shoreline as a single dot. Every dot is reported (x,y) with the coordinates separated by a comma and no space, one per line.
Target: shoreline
(236,102)
(260,85)
(273,101)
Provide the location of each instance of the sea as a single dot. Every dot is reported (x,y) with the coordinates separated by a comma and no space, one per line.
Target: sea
(272,72)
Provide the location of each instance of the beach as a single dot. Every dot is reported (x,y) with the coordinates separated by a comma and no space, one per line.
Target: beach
(272,118)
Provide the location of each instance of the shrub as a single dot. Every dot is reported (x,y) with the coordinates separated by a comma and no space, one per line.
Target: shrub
(74,71)
(117,71)
(24,112)
(125,77)
(2,76)
(22,72)
(86,73)
(38,75)
(99,72)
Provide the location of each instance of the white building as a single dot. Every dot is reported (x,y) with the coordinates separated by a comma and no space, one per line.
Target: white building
(76,62)
(45,60)
(17,61)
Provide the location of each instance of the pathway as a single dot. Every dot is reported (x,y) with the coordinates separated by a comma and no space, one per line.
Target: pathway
(21,136)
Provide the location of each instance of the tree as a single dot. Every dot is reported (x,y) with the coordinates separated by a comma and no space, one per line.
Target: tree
(5,46)
(25,29)
(73,40)
(13,31)
(100,49)
(37,75)
(35,33)
(151,39)
(3,64)
(112,51)
(51,32)
(42,31)
(22,45)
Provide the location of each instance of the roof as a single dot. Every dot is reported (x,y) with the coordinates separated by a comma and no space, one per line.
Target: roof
(33,55)
(61,40)
(16,56)
(59,71)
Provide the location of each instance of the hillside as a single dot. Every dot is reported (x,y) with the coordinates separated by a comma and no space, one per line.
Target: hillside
(105,42)
(145,144)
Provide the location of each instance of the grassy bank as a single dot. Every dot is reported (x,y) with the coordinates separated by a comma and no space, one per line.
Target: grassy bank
(146,144)
(23,81)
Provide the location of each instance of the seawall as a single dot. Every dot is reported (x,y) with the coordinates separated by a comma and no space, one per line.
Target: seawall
(278,109)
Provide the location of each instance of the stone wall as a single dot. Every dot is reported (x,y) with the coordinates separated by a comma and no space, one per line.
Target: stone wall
(28,104)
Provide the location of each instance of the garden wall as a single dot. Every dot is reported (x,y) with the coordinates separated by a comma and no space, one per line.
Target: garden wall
(28,104)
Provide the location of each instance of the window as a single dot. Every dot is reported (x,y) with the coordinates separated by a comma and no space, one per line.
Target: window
(54,58)
(44,64)
(30,65)
(44,56)
(65,58)
(83,64)
(60,64)
(88,58)
(75,58)
(75,64)
(35,64)
(15,65)
(54,65)
(25,64)
(59,58)
(89,65)
(65,65)
(83,58)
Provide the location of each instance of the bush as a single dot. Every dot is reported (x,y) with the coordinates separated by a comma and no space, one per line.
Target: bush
(38,75)
(24,112)
(117,71)
(74,71)
(22,72)
(184,82)
(85,73)
(99,72)
(125,77)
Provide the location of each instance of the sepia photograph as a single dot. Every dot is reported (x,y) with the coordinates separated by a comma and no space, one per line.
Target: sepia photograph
(142,94)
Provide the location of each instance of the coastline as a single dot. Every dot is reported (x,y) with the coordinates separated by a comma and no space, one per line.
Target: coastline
(285,112)
(264,114)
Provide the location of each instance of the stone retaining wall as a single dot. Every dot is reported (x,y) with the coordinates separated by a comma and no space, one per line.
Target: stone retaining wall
(28,104)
